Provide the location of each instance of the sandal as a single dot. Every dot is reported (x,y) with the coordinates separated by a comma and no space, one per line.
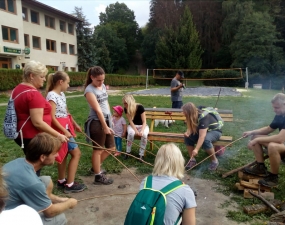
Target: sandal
(191,164)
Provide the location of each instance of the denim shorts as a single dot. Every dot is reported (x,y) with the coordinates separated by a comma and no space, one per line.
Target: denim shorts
(72,146)
(211,136)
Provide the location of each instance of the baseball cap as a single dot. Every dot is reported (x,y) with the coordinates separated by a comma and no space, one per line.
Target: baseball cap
(181,74)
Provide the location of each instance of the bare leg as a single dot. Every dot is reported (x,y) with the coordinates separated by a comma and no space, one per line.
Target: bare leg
(190,150)
(61,169)
(274,151)
(96,160)
(211,151)
(73,164)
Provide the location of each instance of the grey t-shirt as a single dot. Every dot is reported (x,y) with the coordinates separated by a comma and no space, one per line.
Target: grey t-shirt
(102,98)
(24,186)
(178,200)
(176,95)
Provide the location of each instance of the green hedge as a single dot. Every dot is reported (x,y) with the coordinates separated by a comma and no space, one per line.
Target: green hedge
(10,78)
(223,74)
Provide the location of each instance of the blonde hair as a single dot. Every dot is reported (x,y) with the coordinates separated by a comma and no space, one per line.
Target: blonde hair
(33,67)
(191,113)
(94,72)
(132,105)
(278,98)
(53,78)
(169,161)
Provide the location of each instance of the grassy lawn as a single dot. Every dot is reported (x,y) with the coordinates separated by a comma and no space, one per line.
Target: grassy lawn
(251,111)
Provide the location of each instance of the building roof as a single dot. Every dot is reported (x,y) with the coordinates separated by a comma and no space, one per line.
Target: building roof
(51,9)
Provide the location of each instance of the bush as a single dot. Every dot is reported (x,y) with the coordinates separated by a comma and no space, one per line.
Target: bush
(10,78)
(218,75)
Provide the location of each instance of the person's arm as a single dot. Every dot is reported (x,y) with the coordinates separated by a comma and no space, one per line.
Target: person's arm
(58,208)
(55,121)
(76,126)
(132,123)
(260,131)
(143,117)
(92,100)
(176,88)
(189,217)
(37,120)
(202,135)
(278,138)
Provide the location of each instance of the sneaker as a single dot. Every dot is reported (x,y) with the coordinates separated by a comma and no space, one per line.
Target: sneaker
(270,181)
(75,188)
(102,171)
(213,166)
(191,164)
(220,150)
(102,179)
(117,154)
(61,185)
(257,169)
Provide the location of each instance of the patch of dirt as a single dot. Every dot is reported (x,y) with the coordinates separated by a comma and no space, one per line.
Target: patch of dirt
(111,210)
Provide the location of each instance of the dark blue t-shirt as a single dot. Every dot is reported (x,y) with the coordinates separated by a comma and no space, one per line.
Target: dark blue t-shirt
(278,122)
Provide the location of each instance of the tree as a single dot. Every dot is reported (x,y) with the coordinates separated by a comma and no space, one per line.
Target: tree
(254,45)
(106,39)
(122,20)
(85,44)
(180,48)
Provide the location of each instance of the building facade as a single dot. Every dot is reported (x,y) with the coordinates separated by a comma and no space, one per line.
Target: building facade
(31,30)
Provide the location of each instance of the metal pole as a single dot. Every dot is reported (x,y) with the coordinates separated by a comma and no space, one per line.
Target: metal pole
(246,73)
(146,79)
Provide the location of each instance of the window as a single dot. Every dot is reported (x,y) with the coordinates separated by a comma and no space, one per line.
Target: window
(51,45)
(36,42)
(35,17)
(63,48)
(70,28)
(27,41)
(62,26)
(73,69)
(25,13)
(52,68)
(71,50)
(66,69)
(49,21)
(8,5)
(10,34)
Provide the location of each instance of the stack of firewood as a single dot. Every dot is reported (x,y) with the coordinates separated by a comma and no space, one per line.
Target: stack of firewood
(250,182)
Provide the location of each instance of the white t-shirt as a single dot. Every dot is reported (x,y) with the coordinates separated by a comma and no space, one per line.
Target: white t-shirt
(118,125)
(60,101)
(21,215)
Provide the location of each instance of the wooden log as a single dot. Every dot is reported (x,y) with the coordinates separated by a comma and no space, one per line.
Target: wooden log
(265,195)
(254,181)
(258,208)
(239,168)
(239,187)
(254,186)
(278,217)
(275,223)
(246,176)
(272,207)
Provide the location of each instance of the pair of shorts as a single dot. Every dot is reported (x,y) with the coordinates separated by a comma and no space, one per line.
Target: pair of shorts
(97,135)
(71,146)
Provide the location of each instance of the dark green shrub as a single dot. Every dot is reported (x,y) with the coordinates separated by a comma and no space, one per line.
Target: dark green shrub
(218,75)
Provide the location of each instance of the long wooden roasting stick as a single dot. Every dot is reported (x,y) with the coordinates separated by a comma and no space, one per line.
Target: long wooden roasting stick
(112,156)
(102,196)
(240,168)
(215,153)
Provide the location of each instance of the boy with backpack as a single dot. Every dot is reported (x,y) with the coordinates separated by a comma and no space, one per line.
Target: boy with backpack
(163,199)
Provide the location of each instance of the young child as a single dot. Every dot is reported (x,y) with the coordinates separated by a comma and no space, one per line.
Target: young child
(119,127)
(63,122)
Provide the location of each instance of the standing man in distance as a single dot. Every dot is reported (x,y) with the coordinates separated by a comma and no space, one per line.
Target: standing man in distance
(25,187)
(176,90)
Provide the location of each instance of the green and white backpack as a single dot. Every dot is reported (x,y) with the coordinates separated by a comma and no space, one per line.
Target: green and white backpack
(148,207)
(211,110)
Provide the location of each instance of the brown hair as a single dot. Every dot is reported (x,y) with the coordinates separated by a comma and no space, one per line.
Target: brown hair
(42,144)
(191,113)
(53,78)
(3,191)
(94,71)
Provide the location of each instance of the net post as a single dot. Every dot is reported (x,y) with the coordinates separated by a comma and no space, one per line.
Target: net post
(246,73)
(146,79)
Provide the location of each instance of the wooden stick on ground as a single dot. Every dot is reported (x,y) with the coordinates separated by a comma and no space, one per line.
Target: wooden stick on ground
(240,168)
(265,201)
(102,196)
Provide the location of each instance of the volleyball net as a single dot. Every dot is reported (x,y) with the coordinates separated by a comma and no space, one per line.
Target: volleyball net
(200,74)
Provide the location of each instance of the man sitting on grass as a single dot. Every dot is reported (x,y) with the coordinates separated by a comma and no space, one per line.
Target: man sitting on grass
(273,145)
(25,187)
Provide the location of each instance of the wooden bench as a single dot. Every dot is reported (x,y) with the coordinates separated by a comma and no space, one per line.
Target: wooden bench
(176,114)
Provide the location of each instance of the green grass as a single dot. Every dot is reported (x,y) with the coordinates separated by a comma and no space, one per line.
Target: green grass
(251,111)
